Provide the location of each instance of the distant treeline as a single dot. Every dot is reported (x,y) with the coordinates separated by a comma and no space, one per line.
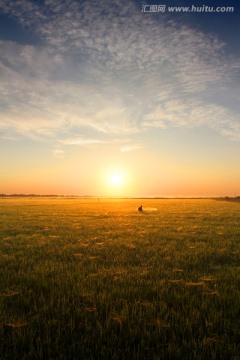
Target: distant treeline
(227,198)
(31,195)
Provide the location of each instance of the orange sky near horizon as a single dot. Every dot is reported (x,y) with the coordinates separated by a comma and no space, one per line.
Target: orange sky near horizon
(92,88)
(143,174)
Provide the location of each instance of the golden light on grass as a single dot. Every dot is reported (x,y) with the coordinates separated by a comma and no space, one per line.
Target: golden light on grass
(16,324)
(11,293)
(199,283)
(208,278)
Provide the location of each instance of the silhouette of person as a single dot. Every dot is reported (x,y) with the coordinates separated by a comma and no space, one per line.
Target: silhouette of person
(140,208)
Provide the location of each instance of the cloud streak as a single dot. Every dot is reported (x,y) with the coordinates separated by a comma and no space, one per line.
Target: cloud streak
(131,147)
(195,114)
(79,140)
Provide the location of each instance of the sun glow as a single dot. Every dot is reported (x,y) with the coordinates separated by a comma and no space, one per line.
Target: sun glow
(117,182)
(116,179)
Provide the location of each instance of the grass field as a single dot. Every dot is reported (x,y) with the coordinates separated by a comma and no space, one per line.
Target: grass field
(86,280)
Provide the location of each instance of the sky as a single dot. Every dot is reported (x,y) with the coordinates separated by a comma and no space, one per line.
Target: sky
(114,98)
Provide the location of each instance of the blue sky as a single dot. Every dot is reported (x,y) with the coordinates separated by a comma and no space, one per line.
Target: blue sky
(101,82)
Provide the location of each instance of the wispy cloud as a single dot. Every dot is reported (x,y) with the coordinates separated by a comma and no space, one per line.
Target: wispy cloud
(131,147)
(93,54)
(58,153)
(79,140)
(194,114)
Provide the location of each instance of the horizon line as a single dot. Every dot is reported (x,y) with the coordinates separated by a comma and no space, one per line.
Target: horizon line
(119,197)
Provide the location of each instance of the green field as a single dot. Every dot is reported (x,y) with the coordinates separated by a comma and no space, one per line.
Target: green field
(82,279)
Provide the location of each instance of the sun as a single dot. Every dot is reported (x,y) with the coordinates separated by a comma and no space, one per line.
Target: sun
(116,182)
(116,179)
